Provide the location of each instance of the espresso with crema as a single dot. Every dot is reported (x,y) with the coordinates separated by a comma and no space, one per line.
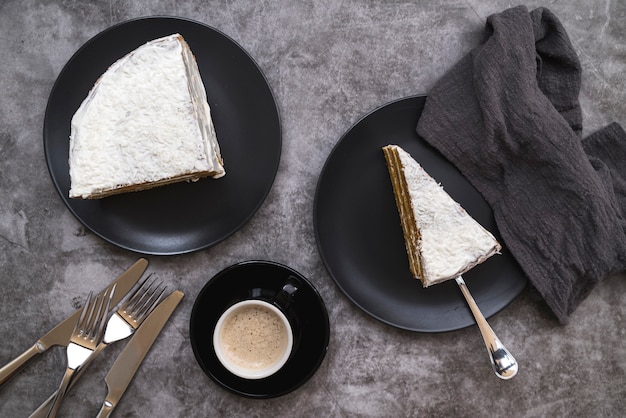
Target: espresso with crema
(254,337)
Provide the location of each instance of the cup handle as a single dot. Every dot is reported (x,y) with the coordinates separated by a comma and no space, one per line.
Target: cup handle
(284,298)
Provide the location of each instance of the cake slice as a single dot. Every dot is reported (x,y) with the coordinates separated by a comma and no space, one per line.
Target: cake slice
(146,122)
(442,240)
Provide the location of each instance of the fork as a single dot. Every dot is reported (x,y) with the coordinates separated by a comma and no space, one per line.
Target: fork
(86,336)
(132,313)
(122,324)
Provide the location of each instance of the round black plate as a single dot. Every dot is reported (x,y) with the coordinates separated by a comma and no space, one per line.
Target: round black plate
(360,238)
(261,279)
(182,217)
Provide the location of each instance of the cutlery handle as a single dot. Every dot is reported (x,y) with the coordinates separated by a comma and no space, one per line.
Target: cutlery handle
(105,411)
(503,363)
(45,406)
(43,409)
(60,393)
(12,368)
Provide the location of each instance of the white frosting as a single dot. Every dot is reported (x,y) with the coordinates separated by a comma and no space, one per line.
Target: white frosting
(145,120)
(451,241)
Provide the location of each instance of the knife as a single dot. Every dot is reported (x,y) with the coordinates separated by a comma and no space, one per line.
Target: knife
(129,360)
(60,334)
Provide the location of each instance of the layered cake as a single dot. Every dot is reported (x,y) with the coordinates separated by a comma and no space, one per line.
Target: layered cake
(442,240)
(145,123)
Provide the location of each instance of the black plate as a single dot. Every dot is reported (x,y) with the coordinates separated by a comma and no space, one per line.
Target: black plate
(183,217)
(360,238)
(261,279)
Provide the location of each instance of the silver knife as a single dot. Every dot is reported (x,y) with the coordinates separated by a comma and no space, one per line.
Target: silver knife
(129,360)
(60,334)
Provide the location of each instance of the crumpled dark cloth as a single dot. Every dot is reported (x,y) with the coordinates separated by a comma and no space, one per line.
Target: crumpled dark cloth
(507,116)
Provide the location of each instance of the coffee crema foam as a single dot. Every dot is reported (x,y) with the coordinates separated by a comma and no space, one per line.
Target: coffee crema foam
(254,337)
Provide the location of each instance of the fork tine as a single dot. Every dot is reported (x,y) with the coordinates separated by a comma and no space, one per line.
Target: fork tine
(91,310)
(84,317)
(151,302)
(103,314)
(92,318)
(138,293)
(144,299)
(92,325)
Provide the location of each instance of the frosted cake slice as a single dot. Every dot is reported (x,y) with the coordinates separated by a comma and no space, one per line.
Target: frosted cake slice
(442,240)
(145,123)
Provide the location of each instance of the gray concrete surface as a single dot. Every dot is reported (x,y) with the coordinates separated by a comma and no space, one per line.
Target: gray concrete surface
(328,63)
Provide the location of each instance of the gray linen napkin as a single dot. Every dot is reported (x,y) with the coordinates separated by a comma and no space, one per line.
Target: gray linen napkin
(507,115)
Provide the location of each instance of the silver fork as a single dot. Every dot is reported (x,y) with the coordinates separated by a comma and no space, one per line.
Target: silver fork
(87,335)
(132,313)
(122,324)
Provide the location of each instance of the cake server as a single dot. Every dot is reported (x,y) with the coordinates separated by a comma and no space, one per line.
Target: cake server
(61,333)
(125,366)
(503,363)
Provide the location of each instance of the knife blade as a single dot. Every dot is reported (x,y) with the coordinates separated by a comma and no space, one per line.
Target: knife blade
(125,366)
(60,334)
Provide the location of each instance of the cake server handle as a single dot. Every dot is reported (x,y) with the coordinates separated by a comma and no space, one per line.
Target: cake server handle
(503,363)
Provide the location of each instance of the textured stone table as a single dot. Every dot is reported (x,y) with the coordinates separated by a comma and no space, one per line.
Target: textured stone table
(328,63)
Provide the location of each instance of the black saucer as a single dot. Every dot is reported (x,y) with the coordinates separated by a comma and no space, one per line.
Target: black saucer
(263,279)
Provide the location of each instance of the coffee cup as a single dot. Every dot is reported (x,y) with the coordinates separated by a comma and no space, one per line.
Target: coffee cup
(253,338)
